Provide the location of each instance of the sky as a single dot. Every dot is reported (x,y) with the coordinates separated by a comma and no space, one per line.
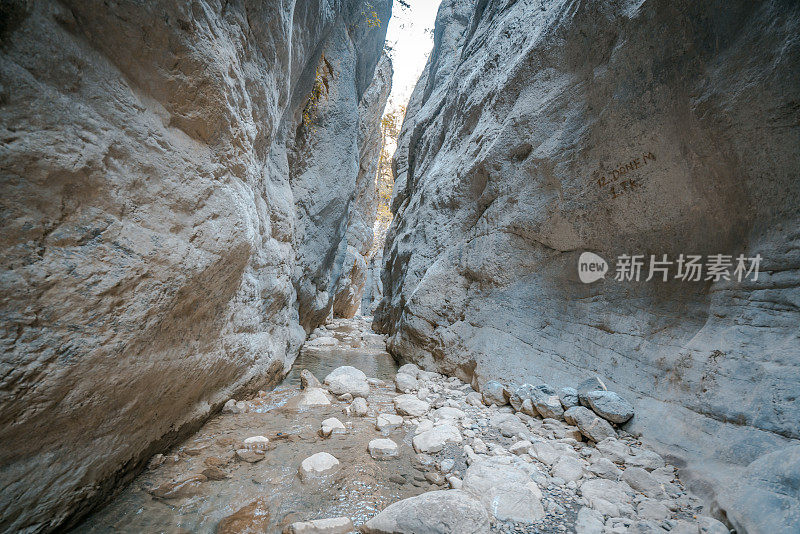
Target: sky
(410,33)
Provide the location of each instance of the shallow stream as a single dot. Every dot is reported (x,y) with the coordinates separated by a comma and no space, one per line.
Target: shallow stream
(359,489)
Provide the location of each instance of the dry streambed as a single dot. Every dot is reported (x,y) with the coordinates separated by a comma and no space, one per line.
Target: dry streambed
(411,452)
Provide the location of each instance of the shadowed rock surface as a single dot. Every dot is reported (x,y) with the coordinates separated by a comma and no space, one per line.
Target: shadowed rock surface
(178,179)
(512,161)
(351,285)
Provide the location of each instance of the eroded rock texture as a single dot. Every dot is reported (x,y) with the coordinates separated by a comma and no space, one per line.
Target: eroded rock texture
(351,284)
(522,109)
(177,183)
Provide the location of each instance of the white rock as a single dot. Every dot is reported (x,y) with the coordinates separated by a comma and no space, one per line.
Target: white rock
(333,525)
(435,512)
(410,405)
(645,459)
(520,447)
(507,492)
(568,468)
(388,422)
(331,426)
(318,464)
(313,397)
(409,369)
(423,425)
(434,439)
(588,522)
(544,452)
(347,379)
(359,407)
(479,446)
(651,509)
(609,490)
(605,468)
(256,442)
(475,399)
(614,450)
(640,480)
(448,413)
(383,449)
(405,383)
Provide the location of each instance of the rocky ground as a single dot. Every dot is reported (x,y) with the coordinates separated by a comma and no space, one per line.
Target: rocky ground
(408,452)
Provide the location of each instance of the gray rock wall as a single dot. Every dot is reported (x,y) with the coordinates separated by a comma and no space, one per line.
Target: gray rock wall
(373,289)
(351,284)
(171,222)
(522,109)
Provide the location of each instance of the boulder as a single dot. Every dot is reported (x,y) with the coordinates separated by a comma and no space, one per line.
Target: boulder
(433,440)
(589,521)
(331,426)
(387,422)
(347,379)
(308,380)
(359,407)
(507,492)
(256,442)
(610,406)
(590,384)
(494,392)
(591,425)
(405,383)
(640,480)
(568,468)
(614,449)
(319,464)
(410,405)
(548,406)
(652,509)
(605,468)
(475,399)
(448,413)
(435,512)
(607,490)
(645,459)
(520,393)
(185,487)
(383,449)
(568,397)
(409,369)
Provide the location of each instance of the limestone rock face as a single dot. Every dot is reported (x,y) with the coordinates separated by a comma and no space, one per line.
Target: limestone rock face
(373,289)
(178,181)
(351,284)
(539,131)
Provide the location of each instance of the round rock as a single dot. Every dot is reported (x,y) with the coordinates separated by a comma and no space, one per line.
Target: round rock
(383,449)
(610,406)
(318,464)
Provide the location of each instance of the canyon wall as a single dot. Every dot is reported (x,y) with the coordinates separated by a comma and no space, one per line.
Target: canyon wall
(178,179)
(540,130)
(351,284)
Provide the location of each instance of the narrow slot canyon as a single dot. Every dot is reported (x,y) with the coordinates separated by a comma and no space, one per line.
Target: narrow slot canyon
(400,267)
